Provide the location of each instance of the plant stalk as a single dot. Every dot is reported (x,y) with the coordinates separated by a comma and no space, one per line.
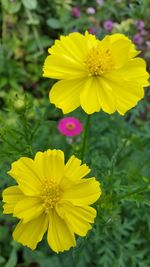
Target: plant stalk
(85,137)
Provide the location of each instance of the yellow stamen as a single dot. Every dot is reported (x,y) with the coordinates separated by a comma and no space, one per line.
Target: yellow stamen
(70,126)
(50,194)
(99,61)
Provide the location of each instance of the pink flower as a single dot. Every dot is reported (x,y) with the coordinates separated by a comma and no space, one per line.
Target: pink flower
(92,30)
(70,126)
(75,12)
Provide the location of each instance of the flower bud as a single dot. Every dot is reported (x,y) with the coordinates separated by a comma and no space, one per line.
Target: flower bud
(19,105)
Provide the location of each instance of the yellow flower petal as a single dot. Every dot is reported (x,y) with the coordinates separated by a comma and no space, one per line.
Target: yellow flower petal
(90,39)
(126,97)
(85,192)
(66,94)
(78,218)
(62,67)
(39,165)
(32,208)
(108,101)
(11,195)
(135,70)
(75,170)
(59,237)
(74,46)
(67,57)
(125,104)
(120,38)
(49,191)
(53,165)
(24,172)
(90,96)
(120,50)
(97,94)
(84,56)
(30,233)
(61,46)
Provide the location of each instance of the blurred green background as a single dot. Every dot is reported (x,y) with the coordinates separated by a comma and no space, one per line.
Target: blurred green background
(119,155)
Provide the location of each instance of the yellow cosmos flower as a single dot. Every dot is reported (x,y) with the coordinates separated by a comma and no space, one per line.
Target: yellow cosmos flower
(51,196)
(95,74)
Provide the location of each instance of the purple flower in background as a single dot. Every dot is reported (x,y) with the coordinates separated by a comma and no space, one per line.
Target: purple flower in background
(108,25)
(139,24)
(143,32)
(137,39)
(90,10)
(75,12)
(92,30)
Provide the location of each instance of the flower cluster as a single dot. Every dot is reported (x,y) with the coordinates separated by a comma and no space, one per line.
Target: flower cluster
(51,196)
(95,74)
(54,197)
(138,37)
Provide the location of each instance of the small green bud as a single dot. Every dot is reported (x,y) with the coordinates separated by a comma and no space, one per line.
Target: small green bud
(19,105)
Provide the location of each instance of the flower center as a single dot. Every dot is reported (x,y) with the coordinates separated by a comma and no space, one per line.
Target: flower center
(50,194)
(70,126)
(99,61)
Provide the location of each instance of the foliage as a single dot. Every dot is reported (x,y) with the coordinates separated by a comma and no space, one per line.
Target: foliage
(118,148)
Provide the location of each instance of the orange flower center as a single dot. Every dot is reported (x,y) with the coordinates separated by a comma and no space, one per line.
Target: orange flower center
(50,194)
(70,126)
(99,61)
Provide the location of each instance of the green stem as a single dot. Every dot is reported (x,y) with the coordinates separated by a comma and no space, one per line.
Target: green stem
(10,144)
(85,137)
(72,259)
(137,191)
(27,134)
(69,256)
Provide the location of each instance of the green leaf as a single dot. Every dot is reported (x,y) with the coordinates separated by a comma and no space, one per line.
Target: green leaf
(146,202)
(3,233)
(2,260)
(30,4)
(11,8)
(33,22)
(54,23)
(41,258)
(3,82)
